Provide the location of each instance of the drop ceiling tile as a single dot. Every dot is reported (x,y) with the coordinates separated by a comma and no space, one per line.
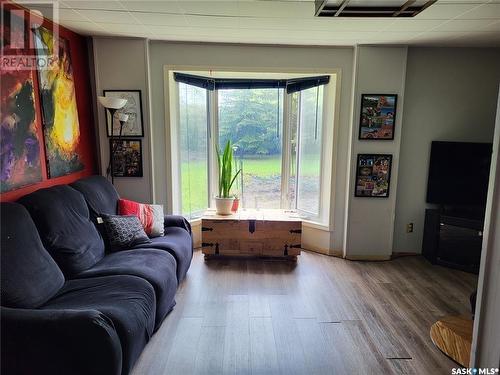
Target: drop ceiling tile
(83,27)
(211,21)
(159,19)
(108,16)
(356,24)
(412,24)
(91,4)
(278,9)
(486,11)
(463,25)
(280,21)
(400,36)
(438,36)
(208,7)
(154,6)
(66,15)
(124,30)
(443,11)
(464,1)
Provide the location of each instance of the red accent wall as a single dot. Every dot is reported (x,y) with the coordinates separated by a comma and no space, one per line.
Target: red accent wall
(87,148)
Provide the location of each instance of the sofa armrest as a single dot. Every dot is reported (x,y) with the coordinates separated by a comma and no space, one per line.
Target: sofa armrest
(58,342)
(177,221)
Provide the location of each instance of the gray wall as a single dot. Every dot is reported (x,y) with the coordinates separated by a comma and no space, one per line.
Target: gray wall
(370,223)
(450,95)
(121,64)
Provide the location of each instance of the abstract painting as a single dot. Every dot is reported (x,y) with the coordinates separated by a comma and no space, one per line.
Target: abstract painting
(133,127)
(373,175)
(58,102)
(19,136)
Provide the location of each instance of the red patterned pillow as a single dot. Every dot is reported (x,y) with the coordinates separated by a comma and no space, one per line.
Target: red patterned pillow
(150,215)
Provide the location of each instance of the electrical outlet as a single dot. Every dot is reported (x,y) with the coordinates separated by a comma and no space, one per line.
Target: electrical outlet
(409,228)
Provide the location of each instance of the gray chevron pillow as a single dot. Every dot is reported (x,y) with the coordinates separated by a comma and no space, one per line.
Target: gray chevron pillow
(124,232)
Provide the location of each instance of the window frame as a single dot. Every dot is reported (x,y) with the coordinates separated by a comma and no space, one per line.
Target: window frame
(312,215)
(331,101)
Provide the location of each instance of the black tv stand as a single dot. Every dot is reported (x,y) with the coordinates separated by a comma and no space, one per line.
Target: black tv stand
(453,238)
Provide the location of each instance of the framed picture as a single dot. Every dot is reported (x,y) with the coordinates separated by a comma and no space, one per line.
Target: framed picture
(373,175)
(127,161)
(378,116)
(56,88)
(134,126)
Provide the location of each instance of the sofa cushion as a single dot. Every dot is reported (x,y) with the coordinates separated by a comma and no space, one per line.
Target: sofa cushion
(128,301)
(124,232)
(29,276)
(150,215)
(62,218)
(100,194)
(177,242)
(158,267)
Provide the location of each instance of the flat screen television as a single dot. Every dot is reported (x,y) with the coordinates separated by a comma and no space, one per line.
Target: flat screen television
(459,173)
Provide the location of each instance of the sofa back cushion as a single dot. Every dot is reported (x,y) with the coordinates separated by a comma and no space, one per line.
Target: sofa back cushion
(29,275)
(62,218)
(100,194)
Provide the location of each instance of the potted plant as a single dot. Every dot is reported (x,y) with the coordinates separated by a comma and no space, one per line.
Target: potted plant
(224,201)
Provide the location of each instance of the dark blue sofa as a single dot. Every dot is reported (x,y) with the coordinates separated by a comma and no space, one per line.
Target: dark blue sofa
(102,198)
(69,306)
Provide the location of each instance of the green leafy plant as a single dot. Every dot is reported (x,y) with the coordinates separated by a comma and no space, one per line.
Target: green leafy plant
(225,164)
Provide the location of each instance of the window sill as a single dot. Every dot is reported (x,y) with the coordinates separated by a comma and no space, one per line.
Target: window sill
(316,225)
(195,222)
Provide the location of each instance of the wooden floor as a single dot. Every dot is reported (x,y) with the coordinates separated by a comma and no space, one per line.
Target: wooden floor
(323,315)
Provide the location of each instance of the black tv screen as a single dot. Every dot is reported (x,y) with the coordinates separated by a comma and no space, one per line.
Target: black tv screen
(459,173)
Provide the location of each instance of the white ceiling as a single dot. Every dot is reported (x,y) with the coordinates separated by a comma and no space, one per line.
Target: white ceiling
(447,22)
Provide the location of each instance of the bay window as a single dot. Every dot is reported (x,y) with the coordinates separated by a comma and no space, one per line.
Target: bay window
(277,130)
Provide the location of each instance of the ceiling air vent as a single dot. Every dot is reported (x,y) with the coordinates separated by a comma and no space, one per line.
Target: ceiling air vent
(370,8)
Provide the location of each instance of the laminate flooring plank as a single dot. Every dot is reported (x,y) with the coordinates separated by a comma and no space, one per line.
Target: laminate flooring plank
(321,315)
(210,351)
(320,357)
(289,350)
(181,359)
(263,356)
(237,336)
(355,352)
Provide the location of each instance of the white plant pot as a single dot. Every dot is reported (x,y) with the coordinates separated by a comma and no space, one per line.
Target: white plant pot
(223,206)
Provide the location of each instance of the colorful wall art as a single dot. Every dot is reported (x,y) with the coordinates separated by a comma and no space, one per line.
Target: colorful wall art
(61,127)
(22,152)
(378,116)
(373,175)
(19,136)
(127,160)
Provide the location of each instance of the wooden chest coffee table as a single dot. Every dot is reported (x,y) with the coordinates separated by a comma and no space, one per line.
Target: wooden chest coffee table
(263,233)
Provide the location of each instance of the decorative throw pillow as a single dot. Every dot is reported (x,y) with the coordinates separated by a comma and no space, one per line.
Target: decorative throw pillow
(124,232)
(150,215)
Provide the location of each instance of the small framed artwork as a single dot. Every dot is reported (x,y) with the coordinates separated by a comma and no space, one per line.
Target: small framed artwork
(127,160)
(373,175)
(378,116)
(134,126)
